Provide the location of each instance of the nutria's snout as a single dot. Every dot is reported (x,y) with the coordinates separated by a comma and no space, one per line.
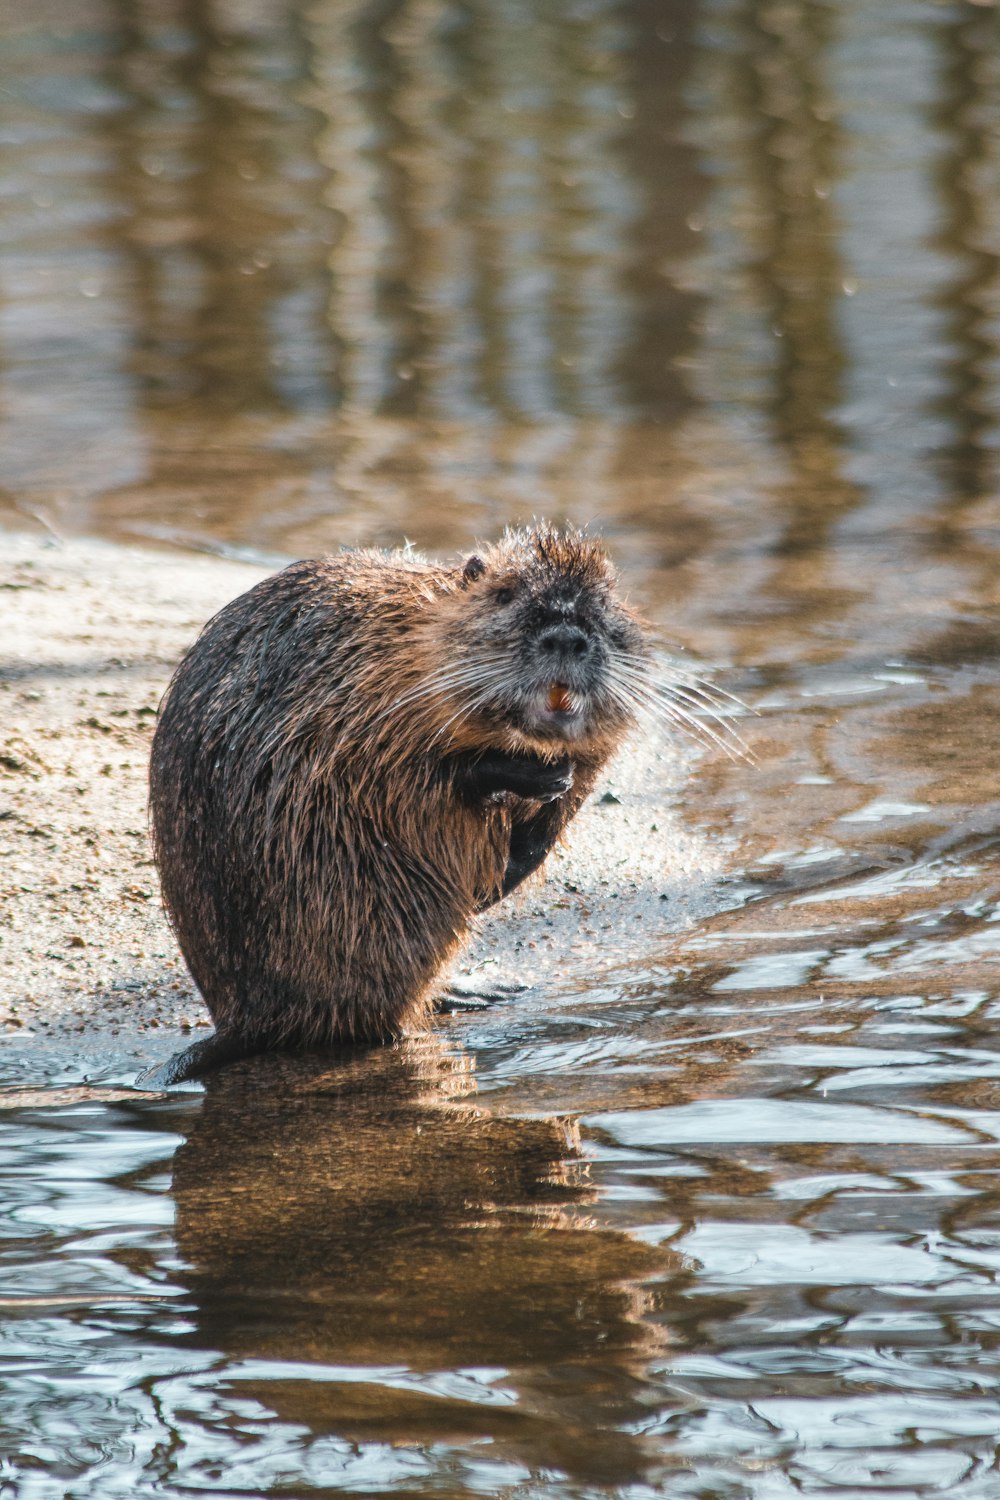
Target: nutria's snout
(565,677)
(550,640)
(567,642)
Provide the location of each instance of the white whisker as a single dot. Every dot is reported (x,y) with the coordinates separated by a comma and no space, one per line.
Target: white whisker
(679,703)
(659,672)
(675,705)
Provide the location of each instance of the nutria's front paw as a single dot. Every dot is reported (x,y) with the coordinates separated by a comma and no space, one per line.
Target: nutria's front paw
(546,781)
(526,776)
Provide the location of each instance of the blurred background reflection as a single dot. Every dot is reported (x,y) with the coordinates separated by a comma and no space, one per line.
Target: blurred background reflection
(718,1218)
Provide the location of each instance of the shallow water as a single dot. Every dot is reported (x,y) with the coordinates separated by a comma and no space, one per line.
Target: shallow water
(724,278)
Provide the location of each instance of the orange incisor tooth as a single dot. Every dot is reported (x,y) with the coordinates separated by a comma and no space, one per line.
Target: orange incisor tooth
(559,699)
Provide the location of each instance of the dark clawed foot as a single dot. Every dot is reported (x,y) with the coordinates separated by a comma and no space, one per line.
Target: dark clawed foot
(527,776)
(550,782)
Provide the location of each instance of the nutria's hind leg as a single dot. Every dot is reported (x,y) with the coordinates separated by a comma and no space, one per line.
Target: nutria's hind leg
(202,1057)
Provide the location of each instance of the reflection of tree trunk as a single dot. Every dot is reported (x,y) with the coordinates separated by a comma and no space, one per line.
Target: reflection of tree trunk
(967,182)
(217,255)
(790,164)
(659,61)
(222,255)
(357,72)
(791,161)
(381,65)
(360,1213)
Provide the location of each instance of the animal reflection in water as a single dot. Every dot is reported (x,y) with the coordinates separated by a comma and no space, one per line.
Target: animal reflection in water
(367,1212)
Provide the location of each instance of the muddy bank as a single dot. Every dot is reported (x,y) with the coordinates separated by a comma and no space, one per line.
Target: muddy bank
(90,977)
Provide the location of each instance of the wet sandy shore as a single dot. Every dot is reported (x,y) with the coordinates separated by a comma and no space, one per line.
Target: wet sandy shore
(90,976)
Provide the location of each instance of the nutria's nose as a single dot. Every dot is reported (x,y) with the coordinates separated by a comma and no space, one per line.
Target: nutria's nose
(567,640)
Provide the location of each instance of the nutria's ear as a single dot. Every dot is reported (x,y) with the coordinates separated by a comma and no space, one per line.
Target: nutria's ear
(474,568)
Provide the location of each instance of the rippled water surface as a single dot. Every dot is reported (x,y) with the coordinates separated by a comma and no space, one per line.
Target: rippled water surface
(722,277)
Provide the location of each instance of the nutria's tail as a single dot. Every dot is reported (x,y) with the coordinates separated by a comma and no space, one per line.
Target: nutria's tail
(201,1057)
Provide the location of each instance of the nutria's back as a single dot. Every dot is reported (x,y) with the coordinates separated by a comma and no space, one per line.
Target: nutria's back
(362,751)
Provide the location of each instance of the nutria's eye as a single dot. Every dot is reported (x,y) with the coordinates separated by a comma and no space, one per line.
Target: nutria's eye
(504,596)
(474,568)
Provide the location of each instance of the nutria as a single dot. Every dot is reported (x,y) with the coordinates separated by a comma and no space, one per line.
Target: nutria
(362,752)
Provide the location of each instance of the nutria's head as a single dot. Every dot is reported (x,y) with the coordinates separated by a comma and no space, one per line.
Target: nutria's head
(539,616)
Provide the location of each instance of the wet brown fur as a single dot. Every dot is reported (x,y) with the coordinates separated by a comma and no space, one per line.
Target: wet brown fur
(318,864)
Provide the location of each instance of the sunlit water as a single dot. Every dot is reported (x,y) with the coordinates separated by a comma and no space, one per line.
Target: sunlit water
(724,279)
